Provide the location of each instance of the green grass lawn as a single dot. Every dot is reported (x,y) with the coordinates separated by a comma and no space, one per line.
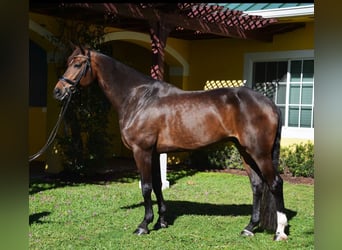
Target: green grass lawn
(205,211)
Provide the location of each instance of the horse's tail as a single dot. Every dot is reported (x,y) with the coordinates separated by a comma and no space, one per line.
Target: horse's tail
(268,210)
(276,145)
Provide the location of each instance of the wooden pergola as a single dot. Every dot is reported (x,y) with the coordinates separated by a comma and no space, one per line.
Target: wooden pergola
(189,21)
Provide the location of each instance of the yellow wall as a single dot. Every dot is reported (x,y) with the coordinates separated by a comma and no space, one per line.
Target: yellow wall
(181,46)
(37,130)
(289,141)
(40,122)
(223,59)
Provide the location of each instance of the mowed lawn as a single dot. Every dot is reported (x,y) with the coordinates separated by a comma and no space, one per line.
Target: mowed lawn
(206,210)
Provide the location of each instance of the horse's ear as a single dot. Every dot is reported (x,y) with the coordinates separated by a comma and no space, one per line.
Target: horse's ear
(72,45)
(82,49)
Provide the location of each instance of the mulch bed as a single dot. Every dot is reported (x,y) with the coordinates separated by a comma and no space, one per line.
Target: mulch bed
(122,166)
(286,177)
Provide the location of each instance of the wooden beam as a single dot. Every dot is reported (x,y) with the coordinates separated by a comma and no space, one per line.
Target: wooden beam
(159,32)
(177,19)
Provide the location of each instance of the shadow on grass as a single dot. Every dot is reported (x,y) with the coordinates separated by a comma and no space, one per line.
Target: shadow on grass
(46,182)
(177,209)
(67,179)
(35,218)
(176,173)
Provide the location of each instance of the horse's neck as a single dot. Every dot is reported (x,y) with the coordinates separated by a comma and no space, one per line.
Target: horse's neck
(117,80)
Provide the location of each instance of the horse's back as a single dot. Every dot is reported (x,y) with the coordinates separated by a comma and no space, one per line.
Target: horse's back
(176,119)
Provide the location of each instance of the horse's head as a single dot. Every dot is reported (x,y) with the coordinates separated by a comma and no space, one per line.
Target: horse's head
(79,72)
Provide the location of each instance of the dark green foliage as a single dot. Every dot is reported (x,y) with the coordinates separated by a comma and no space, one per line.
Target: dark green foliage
(299,159)
(226,157)
(221,156)
(199,159)
(85,142)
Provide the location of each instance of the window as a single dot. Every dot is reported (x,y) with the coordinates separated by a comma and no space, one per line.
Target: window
(275,79)
(301,85)
(288,79)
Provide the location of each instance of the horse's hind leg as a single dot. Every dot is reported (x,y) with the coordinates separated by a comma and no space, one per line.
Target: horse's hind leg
(272,211)
(268,199)
(257,188)
(275,185)
(157,188)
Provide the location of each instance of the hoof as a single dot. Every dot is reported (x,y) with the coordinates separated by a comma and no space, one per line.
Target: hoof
(247,233)
(141,231)
(160,225)
(280,237)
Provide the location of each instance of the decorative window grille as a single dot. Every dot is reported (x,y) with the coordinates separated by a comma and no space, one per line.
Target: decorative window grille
(290,84)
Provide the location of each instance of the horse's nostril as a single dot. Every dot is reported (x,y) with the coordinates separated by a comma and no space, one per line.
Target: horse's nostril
(57,93)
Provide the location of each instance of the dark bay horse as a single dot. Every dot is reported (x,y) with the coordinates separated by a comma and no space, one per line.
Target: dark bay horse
(156,117)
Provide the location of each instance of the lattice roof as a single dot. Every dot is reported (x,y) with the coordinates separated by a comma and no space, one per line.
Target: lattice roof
(186,20)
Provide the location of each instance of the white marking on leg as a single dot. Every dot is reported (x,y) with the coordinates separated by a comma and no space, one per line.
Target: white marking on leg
(281,224)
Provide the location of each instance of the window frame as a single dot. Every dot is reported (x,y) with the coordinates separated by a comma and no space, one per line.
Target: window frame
(251,58)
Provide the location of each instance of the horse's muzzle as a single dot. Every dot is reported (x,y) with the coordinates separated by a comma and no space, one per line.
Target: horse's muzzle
(59,94)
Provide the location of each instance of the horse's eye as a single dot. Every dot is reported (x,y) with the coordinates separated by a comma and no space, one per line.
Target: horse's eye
(77,65)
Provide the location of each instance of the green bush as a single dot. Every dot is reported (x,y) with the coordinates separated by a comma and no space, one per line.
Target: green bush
(299,159)
(221,156)
(225,156)
(199,159)
(85,141)
(296,159)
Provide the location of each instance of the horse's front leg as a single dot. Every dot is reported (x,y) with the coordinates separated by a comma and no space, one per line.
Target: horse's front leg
(143,160)
(157,188)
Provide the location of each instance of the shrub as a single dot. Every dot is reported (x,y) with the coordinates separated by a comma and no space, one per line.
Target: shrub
(226,157)
(221,156)
(199,159)
(85,141)
(299,159)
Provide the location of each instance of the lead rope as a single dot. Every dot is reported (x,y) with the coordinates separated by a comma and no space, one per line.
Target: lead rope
(53,131)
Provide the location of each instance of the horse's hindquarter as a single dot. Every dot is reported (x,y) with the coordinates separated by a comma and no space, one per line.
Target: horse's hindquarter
(260,121)
(195,119)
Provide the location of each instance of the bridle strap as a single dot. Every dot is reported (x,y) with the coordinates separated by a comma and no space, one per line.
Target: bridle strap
(69,81)
(53,131)
(82,74)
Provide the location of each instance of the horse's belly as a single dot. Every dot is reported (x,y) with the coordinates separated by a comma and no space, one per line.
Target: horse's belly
(186,135)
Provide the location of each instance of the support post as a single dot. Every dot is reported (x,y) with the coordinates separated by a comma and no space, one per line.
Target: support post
(159,33)
(163,171)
